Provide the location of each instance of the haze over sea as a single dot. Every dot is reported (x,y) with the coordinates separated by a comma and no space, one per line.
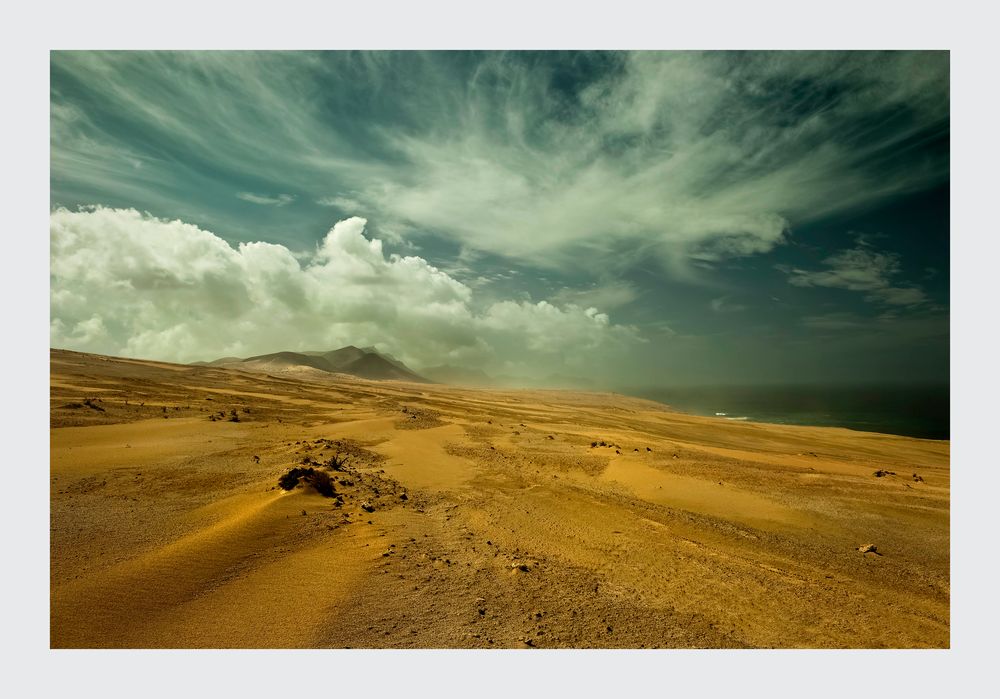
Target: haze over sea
(915,411)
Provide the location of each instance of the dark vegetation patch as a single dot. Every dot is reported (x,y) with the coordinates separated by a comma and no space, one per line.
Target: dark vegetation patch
(319,480)
(336,454)
(603,443)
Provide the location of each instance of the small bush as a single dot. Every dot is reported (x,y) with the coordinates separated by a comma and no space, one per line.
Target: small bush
(319,480)
(336,462)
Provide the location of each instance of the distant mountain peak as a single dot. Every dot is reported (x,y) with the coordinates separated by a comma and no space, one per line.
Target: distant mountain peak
(364,363)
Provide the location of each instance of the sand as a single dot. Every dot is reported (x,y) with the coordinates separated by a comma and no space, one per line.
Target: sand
(494,522)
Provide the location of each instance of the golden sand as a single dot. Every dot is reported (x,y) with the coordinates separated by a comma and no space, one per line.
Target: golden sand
(494,522)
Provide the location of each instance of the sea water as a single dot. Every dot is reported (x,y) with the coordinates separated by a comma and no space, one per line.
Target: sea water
(914,411)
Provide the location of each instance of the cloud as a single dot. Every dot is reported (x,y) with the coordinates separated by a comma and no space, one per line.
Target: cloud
(280,200)
(583,161)
(607,295)
(724,305)
(834,321)
(861,269)
(341,202)
(127,283)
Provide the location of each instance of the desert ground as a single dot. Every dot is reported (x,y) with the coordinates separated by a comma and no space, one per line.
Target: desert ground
(464,518)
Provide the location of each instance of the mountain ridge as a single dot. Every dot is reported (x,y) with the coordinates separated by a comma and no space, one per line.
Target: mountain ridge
(365,363)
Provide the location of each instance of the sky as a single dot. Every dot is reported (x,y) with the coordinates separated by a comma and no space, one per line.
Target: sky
(615,219)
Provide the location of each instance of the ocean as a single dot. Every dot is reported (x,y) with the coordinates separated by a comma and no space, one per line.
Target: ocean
(912,411)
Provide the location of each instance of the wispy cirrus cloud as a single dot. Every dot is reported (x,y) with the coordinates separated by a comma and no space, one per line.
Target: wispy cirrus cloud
(607,295)
(861,269)
(265,200)
(575,161)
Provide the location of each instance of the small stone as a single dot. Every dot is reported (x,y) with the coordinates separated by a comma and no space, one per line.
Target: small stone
(869,548)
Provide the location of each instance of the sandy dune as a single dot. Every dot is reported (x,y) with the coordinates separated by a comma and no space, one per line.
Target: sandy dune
(494,522)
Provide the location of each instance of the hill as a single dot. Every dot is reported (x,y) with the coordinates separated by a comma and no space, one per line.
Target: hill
(363,363)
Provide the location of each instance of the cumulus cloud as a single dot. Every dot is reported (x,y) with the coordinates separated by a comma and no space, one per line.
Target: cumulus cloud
(265,200)
(127,283)
(861,269)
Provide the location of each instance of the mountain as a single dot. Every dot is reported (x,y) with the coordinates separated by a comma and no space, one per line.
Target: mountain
(340,358)
(388,357)
(363,363)
(374,366)
(282,360)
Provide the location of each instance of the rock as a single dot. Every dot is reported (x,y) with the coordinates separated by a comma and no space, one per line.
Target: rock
(869,548)
(882,472)
(367,506)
